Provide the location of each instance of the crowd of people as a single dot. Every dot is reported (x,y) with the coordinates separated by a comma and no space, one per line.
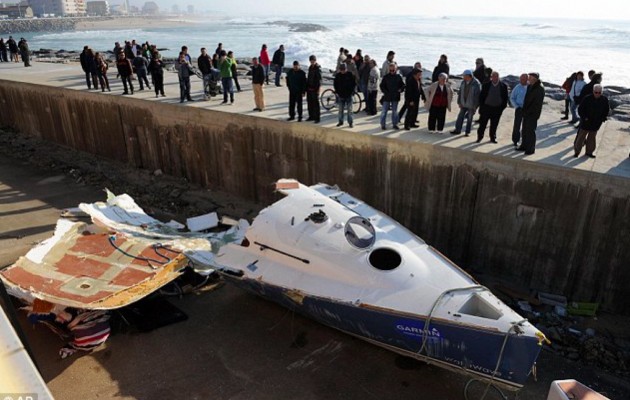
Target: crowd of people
(12,51)
(481,90)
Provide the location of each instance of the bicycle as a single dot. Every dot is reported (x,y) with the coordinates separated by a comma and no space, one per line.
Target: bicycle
(328,99)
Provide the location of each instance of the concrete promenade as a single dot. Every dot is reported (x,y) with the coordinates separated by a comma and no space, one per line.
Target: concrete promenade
(554,137)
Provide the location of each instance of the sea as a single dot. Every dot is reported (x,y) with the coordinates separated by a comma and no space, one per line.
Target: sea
(552,47)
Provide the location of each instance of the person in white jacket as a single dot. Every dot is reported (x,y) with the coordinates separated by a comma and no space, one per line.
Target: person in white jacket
(439,99)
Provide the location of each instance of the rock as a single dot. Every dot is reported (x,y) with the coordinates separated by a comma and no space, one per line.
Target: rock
(158,172)
(573,355)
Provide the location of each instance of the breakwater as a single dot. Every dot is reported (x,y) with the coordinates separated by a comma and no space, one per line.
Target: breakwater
(12,26)
(551,228)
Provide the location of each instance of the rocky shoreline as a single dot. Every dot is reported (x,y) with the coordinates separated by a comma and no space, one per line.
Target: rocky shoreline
(10,26)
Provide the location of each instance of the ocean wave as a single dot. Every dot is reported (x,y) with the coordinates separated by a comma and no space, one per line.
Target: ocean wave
(607,31)
(537,26)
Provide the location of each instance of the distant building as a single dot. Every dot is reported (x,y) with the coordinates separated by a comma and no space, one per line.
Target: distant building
(15,11)
(175,9)
(150,8)
(64,8)
(191,9)
(97,8)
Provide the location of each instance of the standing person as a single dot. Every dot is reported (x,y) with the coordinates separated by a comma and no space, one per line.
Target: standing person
(409,79)
(372,88)
(439,99)
(3,51)
(265,61)
(517,98)
(90,60)
(219,49)
(85,66)
(296,83)
(344,85)
(593,112)
(391,85)
(532,108)
(442,67)
(230,55)
(492,101)
(481,71)
(184,70)
(413,92)
(141,64)
(13,49)
(574,95)
(258,78)
(204,63)
(568,83)
(129,54)
(364,77)
(225,67)
(117,49)
(146,51)
(186,55)
(596,79)
(156,68)
(24,52)
(341,58)
(358,59)
(389,60)
(468,101)
(125,71)
(101,71)
(313,84)
(278,63)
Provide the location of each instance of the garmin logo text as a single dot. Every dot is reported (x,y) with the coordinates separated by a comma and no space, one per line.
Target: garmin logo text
(18,396)
(417,330)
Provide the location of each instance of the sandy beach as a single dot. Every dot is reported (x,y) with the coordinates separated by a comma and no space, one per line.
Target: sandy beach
(136,22)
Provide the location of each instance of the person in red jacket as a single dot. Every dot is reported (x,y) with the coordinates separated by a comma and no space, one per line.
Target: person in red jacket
(265,61)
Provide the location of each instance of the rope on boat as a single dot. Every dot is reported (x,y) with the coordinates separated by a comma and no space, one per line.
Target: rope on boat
(425,336)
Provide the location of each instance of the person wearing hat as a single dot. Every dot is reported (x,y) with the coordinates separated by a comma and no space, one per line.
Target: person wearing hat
(24,52)
(313,84)
(296,83)
(532,108)
(468,101)
(344,84)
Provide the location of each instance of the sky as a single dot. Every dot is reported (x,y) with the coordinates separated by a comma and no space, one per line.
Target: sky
(601,9)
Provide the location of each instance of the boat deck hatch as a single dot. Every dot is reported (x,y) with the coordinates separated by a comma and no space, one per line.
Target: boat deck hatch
(360,233)
(385,259)
(478,307)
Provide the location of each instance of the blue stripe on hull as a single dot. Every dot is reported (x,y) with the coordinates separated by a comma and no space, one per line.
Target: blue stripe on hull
(459,346)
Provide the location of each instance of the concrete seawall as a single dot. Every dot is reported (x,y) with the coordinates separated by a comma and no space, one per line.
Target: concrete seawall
(556,229)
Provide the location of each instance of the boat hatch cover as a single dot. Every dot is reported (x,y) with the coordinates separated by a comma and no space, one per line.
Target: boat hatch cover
(360,233)
(385,259)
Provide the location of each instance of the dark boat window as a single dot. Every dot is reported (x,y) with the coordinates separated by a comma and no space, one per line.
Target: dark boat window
(385,259)
(360,233)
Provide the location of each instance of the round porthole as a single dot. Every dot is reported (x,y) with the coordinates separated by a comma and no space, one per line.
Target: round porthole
(360,233)
(385,259)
